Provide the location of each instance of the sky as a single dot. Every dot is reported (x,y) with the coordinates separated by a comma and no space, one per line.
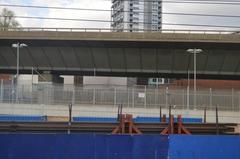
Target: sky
(106,4)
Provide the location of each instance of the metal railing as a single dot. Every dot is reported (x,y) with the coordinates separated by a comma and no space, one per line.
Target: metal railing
(172,31)
(132,97)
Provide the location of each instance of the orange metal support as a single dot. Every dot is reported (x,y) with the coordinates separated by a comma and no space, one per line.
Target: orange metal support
(126,125)
(170,128)
(181,128)
(164,118)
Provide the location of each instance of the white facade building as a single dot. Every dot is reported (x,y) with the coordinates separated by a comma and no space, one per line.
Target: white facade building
(135,15)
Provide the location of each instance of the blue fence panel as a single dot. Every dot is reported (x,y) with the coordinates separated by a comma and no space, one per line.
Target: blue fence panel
(90,146)
(156,119)
(82,146)
(94,119)
(204,147)
(22,118)
(137,119)
(155,147)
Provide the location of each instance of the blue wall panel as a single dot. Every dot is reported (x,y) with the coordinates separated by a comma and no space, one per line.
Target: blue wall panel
(204,147)
(90,146)
(80,146)
(25,118)
(137,119)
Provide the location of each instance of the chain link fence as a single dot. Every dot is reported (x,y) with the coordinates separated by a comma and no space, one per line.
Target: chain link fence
(131,97)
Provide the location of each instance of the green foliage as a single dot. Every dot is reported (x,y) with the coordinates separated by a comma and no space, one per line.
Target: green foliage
(7,20)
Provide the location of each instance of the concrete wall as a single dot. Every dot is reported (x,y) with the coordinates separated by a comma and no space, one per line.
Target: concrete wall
(104,80)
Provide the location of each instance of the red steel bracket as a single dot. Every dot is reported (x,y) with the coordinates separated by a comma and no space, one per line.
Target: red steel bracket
(126,125)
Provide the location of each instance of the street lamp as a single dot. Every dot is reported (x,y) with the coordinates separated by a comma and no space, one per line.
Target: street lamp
(18,46)
(195,52)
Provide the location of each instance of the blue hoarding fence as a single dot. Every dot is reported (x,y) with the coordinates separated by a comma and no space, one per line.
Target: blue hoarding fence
(24,118)
(91,146)
(76,146)
(204,147)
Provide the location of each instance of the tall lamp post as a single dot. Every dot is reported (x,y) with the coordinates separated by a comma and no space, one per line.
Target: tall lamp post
(195,52)
(18,46)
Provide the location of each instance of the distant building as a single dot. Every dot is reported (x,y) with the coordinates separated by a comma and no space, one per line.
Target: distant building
(134,15)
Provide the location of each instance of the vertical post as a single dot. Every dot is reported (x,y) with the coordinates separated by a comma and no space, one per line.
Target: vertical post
(118,114)
(217,125)
(170,121)
(205,115)
(211,98)
(94,96)
(94,72)
(166,94)
(160,114)
(133,97)
(70,118)
(1,91)
(232,99)
(188,98)
(73,95)
(164,118)
(145,97)
(155,97)
(188,89)
(32,76)
(32,87)
(195,79)
(239,101)
(12,89)
(183,99)
(18,45)
(115,96)
(127,97)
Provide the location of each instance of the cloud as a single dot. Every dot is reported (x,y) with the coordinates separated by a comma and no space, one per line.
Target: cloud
(55,13)
(200,9)
(101,4)
(79,14)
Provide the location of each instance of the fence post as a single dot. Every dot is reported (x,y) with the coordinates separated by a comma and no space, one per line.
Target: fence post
(1,97)
(166,95)
(73,95)
(188,99)
(211,96)
(133,97)
(12,91)
(183,99)
(155,96)
(145,97)
(94,96)
(239,101)
(127,97)
(232,99)
(115,96)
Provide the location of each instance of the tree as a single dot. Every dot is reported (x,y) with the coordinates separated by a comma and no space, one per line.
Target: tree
(7,19)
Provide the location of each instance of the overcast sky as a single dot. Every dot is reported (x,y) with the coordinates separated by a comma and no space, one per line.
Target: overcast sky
(106,4)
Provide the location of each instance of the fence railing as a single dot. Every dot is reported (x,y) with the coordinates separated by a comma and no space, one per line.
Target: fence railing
(132,97)
(172,31)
